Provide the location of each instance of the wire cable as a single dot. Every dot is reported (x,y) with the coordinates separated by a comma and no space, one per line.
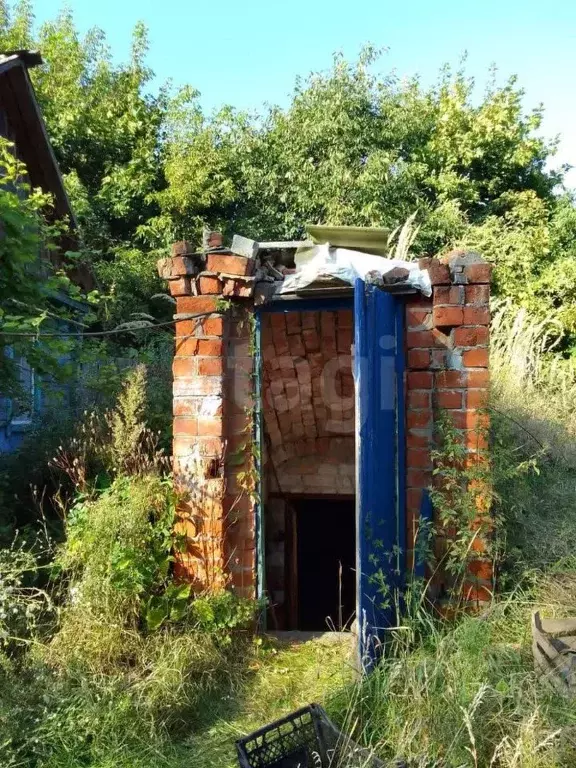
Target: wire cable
(111,332)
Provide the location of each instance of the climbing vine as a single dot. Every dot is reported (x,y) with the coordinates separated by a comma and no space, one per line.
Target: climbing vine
(461,495)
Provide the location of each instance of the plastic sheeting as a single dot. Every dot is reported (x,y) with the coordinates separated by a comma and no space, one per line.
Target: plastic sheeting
(348,265)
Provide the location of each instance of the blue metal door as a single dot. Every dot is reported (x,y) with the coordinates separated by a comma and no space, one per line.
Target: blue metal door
(380,525)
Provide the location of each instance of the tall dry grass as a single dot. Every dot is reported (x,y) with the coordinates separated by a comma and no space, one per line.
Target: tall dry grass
(465,695)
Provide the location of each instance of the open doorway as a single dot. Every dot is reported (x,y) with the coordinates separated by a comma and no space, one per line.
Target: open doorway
(309,467)
(321,563)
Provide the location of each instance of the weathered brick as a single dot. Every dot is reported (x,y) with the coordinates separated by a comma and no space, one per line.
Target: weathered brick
(449,294)
(419,419)
(482,569)
(414,499)
(449,398)
(345,318)
(418,318)
(311,339)
(185,426)
(418,358)
(477,294)
(344,340)
(468,419)
(475,358)
(184,367)
(213,240)
(180,287)
(420,379)
(199,385)
(213,326)
(478,273)
(210,427)
(471,336)
(186,347)
(419,339)
(181,247)
(185,406)
(476,398)
(416,399)
(439,273)
(293,322)
(196,304)
(177,266)
(447,316)
(230,264)
(418,459)
(418,438)
(209,284)
(450,379)
(296,346)
(241,289)
(477,593)
(475,440)
(438,360)
(476,316)
(210,366)
(478,378)
(210,347)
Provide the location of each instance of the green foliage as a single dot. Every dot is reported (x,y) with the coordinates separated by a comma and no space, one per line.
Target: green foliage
(23,605)
(27,281)
(354,146)
(533,411)
(461,497)
(104,128)
(222,613)
(118,547)
(361,148)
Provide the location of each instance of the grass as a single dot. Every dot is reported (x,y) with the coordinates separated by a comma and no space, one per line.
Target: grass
(447,694)
(286,676)
(466,695)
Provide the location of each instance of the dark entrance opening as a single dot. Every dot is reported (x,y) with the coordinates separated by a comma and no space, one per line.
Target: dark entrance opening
(321,563)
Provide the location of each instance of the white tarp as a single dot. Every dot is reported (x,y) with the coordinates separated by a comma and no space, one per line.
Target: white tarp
(347,265)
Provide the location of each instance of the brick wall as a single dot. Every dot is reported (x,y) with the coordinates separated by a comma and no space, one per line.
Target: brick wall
(213,403)
(447,370)
(308,401)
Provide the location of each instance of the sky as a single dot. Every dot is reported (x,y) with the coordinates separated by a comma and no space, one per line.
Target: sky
(247,53)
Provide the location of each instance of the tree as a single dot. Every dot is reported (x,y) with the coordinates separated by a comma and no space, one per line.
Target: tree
(353,146)
(28,283)
(358,148)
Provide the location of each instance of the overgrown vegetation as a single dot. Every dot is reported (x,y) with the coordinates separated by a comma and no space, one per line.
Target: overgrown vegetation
(104,660)
(465,693)
(26,284)
(355,145)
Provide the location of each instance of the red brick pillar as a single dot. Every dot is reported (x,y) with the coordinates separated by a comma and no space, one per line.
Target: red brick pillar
(212,453)
(447,369)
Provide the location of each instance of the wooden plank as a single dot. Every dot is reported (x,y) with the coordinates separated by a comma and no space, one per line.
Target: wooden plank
(558,627)
(34,148)
(553,658)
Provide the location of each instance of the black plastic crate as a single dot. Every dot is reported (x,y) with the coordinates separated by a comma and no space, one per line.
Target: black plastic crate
(305,739)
